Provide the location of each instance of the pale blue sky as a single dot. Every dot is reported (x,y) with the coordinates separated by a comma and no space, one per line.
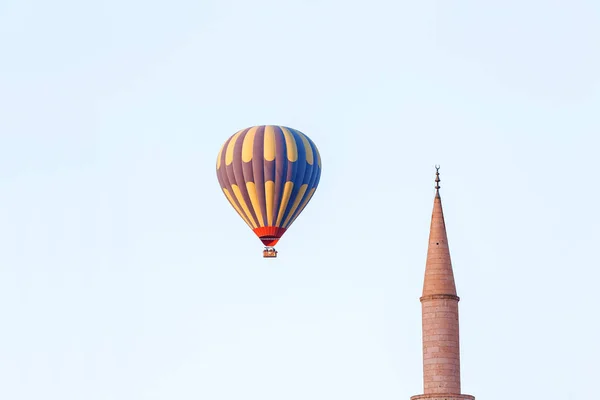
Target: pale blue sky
(125,274)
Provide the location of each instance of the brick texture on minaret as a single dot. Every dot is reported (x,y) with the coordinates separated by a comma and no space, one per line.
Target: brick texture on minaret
(439,305)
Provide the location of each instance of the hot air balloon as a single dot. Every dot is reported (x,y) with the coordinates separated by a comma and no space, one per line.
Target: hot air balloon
(269,173)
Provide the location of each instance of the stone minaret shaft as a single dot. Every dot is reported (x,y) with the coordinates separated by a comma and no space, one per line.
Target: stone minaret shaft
(439,304)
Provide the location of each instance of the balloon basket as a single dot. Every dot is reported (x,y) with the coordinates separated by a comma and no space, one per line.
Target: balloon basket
(269,252)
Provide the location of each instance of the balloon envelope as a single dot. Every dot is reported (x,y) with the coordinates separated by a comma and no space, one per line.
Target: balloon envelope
(269,174)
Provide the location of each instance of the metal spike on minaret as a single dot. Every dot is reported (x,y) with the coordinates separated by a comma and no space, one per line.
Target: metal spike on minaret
(437,180)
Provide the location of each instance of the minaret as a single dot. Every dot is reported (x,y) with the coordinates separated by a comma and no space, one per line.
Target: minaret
(439,307)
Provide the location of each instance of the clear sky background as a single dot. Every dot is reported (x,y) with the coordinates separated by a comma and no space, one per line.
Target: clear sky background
(125,274)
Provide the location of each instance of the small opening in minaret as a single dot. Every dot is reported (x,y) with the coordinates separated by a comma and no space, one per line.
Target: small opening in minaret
(437,243)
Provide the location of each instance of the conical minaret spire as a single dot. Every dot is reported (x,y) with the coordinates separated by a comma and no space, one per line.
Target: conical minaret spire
(439,305)
(439,278)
